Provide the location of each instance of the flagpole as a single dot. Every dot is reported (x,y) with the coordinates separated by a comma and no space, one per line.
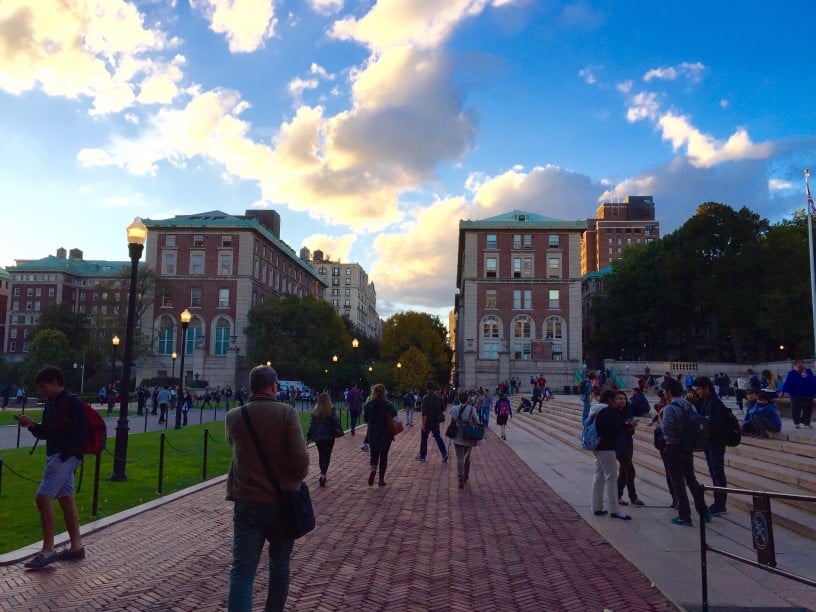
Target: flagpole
(810,207)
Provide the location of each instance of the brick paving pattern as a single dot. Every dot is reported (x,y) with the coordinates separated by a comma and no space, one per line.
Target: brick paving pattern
(506,542)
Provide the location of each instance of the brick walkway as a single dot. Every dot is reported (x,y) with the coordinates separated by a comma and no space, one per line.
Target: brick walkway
(507,542)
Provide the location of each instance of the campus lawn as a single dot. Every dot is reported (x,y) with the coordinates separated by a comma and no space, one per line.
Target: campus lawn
(183,464)
(7,415)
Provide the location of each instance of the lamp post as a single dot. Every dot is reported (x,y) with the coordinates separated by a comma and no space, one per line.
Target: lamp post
(355,344)
(185,317)
(82,380)
(335,359)
(136,236)
(173,356)
(115,345)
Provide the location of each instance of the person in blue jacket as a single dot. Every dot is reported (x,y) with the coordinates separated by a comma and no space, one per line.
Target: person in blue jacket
(800,385)
(764,415)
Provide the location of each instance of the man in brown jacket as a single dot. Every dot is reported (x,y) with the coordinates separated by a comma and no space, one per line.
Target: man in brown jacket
(256,516)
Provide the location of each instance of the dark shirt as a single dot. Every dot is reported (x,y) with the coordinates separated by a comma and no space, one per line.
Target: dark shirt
(431,409)
(374,415)
(63,426)
(608,427)
(714,409)
(323,429)
(797,385)
(639,404)
(354,400)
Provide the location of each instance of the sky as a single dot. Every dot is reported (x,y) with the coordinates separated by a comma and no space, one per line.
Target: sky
(374,127)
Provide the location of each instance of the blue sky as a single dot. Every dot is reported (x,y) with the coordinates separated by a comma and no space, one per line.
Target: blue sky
(373,127)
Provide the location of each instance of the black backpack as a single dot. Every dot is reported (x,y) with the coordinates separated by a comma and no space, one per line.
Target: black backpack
(732,435)
(695,431)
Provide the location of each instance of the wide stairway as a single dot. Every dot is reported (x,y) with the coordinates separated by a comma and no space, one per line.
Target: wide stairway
(783,463)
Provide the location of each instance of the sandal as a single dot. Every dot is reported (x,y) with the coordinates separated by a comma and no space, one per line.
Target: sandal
(40,561)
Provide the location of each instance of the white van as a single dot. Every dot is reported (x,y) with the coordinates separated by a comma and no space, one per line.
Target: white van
(286,385)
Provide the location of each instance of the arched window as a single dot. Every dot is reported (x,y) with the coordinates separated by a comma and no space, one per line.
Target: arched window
(165,335)
(195,335)
(491,334)
(522,337)
(555,331)
(222,336)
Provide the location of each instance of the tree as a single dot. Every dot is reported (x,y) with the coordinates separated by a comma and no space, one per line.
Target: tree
(48,347)
(422,331)
(414,370)
(61,317)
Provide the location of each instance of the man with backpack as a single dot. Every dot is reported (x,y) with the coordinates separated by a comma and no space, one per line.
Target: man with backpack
(63,429)
(433,413)
(677,454)
(721,422)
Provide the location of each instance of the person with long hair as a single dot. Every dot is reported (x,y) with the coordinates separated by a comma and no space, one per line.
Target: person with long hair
(324,427)
(624,450)
(379,438)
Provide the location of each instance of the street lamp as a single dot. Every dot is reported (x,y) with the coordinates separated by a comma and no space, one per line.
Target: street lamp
(185,317)
(136,236)
(115,344)
(173,356)
(82,380)
(268,364)
(355,345)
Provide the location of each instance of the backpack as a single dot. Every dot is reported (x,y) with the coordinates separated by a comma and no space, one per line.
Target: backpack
(732,435)
(504,407)
(589,436)
(695,430)
(96,432)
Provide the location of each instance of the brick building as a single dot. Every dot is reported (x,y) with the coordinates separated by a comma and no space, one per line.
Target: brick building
(518,307)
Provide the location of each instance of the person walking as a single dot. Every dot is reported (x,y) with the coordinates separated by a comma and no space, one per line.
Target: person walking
(606,466)
(354,401)
(589,389)
(503,412)
(409,402)
(63,429)
(324,427)
(432,415)
(625,449)
(163,398)
(461,413)
(186,404)
(679,459)
(379,438)
(486,403)
(709,404)
(256,514)
(800,385)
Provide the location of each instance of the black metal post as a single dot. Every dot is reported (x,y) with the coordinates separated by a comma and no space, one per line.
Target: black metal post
(95,503)
(703,560)
(1,475)
(18,434)
(120,452)
(113,378)
(184,325)
(161,462)
(204,469)
(145,415)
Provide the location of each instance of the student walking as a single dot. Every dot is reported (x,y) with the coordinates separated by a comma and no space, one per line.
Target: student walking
(625,449)
(503,412)
(379,438)
(324,427)
(433,413)
(461,413)
(800,385)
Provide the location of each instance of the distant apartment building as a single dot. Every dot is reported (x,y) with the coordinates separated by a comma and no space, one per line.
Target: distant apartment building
(94,288)
(518,307)
(349,290)
(452,342)
(5,278)
(617,225)
(218,266)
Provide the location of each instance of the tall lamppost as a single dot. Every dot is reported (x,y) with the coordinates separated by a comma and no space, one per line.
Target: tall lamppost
(136,236)
(173,356)
(115,345)
(355,344)
(185,317)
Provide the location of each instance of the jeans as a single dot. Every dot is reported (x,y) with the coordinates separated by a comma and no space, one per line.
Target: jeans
(606,474)
(626,477)
(484,415)
(715,458)
(463,460)
(585,413)
(423,440)
(379,457)
(409,415)
(801,409)
(254,523)
(324,451)
(668,478)
(680,464)
(353,416)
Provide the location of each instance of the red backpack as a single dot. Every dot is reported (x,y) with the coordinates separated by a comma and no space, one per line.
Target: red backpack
(96,432)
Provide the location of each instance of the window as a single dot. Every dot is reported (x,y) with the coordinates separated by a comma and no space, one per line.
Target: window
(225,264)
(348,281)
(553,267)
(335,292)
(490,340)
(490,327)
(528,241)
(197,263)
(335,271)
(554,299)
(347,291)
(38,291)
(522,299)
(169,240)
(167,298)
(610,241)
(491,241)
(165,337)
(490,298)
(222,334)
(491,267)
(12,346)
(198,241)
(517,241)
(223,298)
(522,338)
(554,329)
(347,303)
(29,292)
(13,332)
(522,267)
(195,336)
(226,241)
(553,241)
(348,271)
(169,262)
(336,282)
(17,291)
(51,293)
(195,297)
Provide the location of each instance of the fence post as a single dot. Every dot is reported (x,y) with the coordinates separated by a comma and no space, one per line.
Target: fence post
(145,415)
(81,474)
(204,469)
(703,560)
(1,476)
(215,412)
(95,503)
(161,461)
(201,415)
(18,434)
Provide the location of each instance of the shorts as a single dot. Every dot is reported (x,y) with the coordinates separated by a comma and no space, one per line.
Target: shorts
(58,479)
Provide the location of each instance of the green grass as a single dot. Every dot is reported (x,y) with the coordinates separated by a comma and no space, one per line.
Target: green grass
(18,514)
(7,415)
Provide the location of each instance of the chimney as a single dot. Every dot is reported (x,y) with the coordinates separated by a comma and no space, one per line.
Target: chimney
(270,219)
(62,253)
(304,253)
(75,254)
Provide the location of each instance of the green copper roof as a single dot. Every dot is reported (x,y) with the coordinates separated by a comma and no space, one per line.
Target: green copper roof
(220,219)
(522,219)
(77,267)
(4,274)
(599,273)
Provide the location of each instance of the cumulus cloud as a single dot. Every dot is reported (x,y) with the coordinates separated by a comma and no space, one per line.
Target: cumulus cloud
(72,49)
(580,15)
(335,247)
(326,7)
(643,105)
(692,71)
(161,84)
(723,103)
(588,75)
(247,24)
(624,87)
(779,185)
(298,85)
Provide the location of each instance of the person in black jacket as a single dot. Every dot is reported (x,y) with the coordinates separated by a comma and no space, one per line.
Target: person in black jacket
(625,450)
(379,438)
(63,429)
(708,404)
(324,427)
(606,465)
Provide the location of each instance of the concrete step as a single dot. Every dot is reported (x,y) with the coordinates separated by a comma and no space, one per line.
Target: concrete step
(562,424)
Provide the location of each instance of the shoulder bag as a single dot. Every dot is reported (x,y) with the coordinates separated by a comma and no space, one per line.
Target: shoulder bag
(470,430)
(296,511)
(394,426)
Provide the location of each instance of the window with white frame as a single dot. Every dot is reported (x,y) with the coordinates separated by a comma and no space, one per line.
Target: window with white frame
(225,264)
(195,297)
(198,241)
(490,341)
(554,299)
(522,338)
(552,241)
(554,329)
(490,298)
(164,338)
(223,297)
(490,241)
(167,298)
(222,334)
(491,267)
(522,299)
(169,240)
(553,266)
(195,335)
(169,262)
(516,241)
(196,262)
(226,241)
(528,241)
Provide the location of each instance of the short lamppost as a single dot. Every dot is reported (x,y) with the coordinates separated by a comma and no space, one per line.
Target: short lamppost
(115,345)
(335,359)
(136,236)
(82,380)
(173,356)
(355,344)
(185,317)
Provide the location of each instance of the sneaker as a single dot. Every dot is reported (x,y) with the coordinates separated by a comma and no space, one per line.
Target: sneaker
(71,555)
(623,503)
(40,561)
(600,512)
(420,458)
(797,426)
(364,448)
(674,505)
(714,511)
(445,459)
(637,502)
(685,522)
(620,515)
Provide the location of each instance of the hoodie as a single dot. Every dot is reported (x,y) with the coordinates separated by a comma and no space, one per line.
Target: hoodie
(674,417)
(606,424)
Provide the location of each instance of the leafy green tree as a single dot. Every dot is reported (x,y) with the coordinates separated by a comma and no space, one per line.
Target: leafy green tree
(414,371)
(61,317)
(422,331)
(47,347)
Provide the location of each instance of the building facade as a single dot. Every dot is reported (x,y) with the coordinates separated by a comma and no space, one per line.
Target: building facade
(349,290)
(5,281)
(518,307)
(217,266)
(617,225)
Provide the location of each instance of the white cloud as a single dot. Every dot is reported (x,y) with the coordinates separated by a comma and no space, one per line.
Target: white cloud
(68,48)
(326,7)
(588,75)
(643,105)
(624,87)
(247,24)
(321,72)
(723,103)
(779,185)
(297,86)
(337,248)
(692,71)
(161,86)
